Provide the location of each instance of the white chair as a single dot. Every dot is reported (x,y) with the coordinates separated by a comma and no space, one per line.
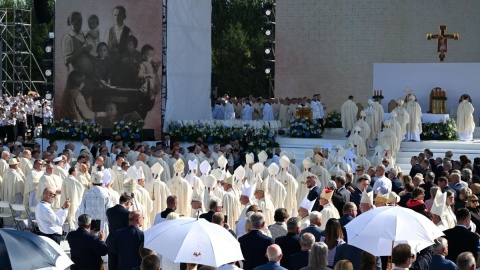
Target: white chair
(33,219)
(17,211)
(5,211)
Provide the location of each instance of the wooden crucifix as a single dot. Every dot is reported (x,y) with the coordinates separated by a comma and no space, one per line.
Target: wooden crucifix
(442,41)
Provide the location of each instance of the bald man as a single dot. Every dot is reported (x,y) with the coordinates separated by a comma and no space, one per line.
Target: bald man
(127,242)
(274,255)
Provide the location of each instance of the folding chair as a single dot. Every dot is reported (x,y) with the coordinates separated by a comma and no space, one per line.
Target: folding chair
(33,219)
(5,212)
(17,211)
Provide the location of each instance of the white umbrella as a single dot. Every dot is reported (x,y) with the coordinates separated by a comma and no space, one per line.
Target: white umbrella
(63,261)
(190,240)
(379,230)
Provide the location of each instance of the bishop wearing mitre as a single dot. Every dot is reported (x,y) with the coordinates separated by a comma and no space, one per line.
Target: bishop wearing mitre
(181,188)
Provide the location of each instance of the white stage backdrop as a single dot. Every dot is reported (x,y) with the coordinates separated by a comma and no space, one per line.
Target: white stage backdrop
(189,60)
(455,78)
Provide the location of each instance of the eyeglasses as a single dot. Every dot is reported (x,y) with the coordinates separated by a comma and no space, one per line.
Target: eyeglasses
(474,201)
(52,194)
(359,170)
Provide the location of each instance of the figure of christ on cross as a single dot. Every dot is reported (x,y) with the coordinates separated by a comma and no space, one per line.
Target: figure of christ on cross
(442,41)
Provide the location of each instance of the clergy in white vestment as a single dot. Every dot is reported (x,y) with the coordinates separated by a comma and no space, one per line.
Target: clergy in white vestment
(364,126)
(84,177)
(349,114)
(249,161)
(247,111)
(25,164)
(304,210)
(218,112)
(284,114)
(302,179)
(268,112)
(372,121)
(197,205)
(131,156)
(397,129)
(117,174)
(262,158)
(323,176)
(96,202)
(114,195)
(231,202)
(72,190)
(438,210)
(192,178)
(50,180)
(414,126)
(357,141)
(465,122)
(239,178)
(265,203)
(141,195)
(402,116)
(315,108)
(160,191)
(210,183)
(4,162)
(158,158)
(388,137)
(141,163)
(291,186)
(246,199)
(229,110)
(58,168)
(31,184)
(294,170)
(276,189)
(13,183)
(130,189)
(181,188)
(329,211)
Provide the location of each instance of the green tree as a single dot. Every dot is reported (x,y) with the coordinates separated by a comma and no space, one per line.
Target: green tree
(237,47)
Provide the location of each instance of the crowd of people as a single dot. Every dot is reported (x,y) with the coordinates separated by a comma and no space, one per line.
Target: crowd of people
(295,213)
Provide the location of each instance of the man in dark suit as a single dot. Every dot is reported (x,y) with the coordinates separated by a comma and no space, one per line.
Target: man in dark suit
(215,205)
(117,219)
(274,255)
(127,242)
(314,227)
(314,192)
(167,142)
(172,203)
(86,249)
(440,249)
(438,168)
(429,178)
(416,167)
(254,243)
(396,183)
(300,259)
(461,239)
(363,183)
(290,243)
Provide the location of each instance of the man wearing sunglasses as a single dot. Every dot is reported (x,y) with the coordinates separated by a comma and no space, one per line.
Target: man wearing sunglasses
(49,222)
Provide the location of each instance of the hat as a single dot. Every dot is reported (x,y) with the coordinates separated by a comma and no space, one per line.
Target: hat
(307,163)
(357,128)
(205,167)
(411,97)
(222,162)
(209,181)
(382,198)
(400,102)
(273,169)
(228,180)
(291,155)
(57,159)
(248,191)
(192,164)
(197,196)
(178,166)
(217,173)
(370,101)
(439,203)
(316,149)
(306,204)
(393,197)
(393,114)
(12,161)
(249,158)
(284,162)
(387,123)
(259,186)
(157,169)
(135,173)
(97,177)
(367,197)
(239,173)
(262,156)
(363,114)
(258,168)
(129,185)
(309,153)
(327,194)
(341,151)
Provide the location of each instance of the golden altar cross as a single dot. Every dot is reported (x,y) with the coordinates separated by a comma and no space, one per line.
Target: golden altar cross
(442,41)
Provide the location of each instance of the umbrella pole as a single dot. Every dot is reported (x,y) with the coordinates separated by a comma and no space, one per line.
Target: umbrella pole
(390,264)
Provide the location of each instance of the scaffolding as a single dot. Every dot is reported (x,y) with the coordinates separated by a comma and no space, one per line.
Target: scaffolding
(18,62)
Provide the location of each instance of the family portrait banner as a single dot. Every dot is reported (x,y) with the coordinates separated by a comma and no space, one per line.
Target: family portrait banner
(108,61)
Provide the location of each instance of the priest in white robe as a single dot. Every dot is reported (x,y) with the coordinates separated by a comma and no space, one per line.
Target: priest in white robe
(231,202)
(357,141)
(192,178)
(58,168)
(276,189)
(402,116)
(349,114)
(181,188)
(329,211)
(50,180)
(465,122)
(291,186)
(302,179)
(265,203)
(323,176)
(388,137)
(117,172)
(25,164)
(13,183)
(72,190)
(160,191)
(143,198)
(246,199)
(141,163)
(414,126)
(229,110)
(247,112)
(364,126)
(372,121)
(4,162)
(268,112)
(31,184)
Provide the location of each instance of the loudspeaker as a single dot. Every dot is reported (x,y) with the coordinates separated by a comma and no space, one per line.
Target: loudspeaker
(43,11)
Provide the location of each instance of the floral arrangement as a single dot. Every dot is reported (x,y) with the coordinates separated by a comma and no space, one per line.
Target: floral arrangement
(123,130)
(305,128)
(71,130)
(440,131)
(334,119)
(255,140)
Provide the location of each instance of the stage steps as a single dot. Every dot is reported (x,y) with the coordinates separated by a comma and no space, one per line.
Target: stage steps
(407,149)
